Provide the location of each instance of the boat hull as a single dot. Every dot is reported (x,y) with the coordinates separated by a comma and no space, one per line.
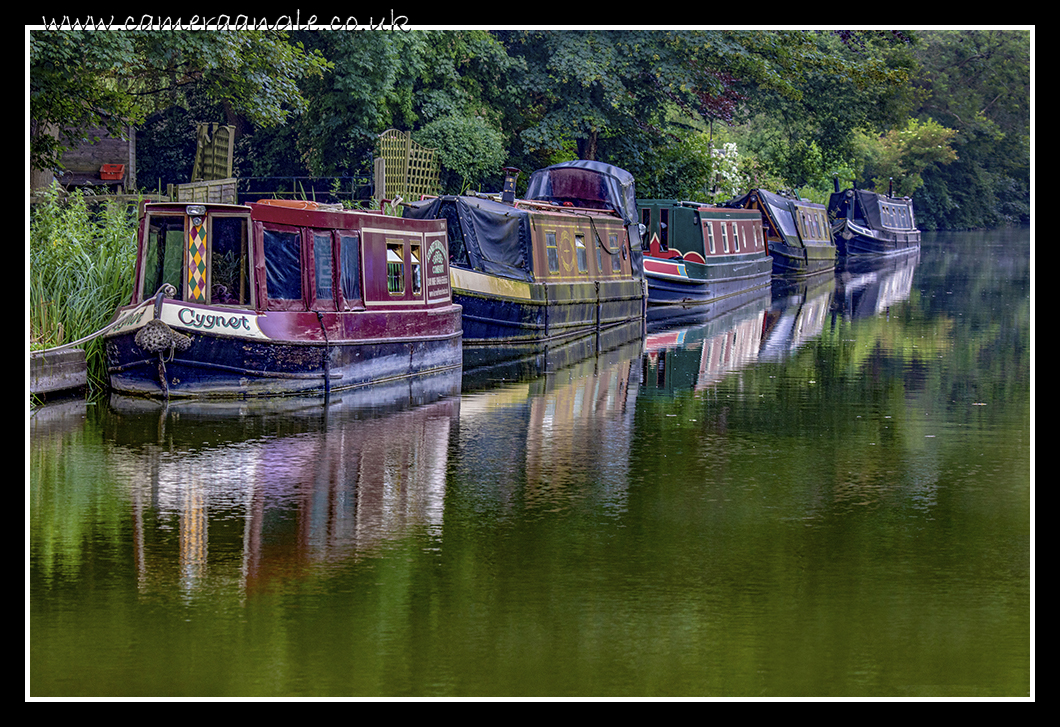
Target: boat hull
(497,310)
(789,260)
(854,239)
(687,283)
(223,364)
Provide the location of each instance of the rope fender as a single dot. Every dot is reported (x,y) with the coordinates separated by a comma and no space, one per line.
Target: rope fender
(156,336)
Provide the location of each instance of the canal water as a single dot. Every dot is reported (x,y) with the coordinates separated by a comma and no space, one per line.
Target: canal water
(825,491)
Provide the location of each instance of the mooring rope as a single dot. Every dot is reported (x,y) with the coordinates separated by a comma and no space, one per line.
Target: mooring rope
(165,289)
(79,341)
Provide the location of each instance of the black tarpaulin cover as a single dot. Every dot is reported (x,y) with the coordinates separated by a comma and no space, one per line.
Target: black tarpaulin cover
(484,235)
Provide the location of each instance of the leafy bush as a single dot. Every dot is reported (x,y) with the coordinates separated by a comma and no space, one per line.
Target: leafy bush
(468,148)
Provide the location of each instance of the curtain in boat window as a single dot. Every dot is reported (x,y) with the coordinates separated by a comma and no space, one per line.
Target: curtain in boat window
(322,265)
(164,255)
(283,264)
(349,271)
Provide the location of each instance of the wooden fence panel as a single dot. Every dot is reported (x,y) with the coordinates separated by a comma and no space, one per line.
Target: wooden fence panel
(410,170)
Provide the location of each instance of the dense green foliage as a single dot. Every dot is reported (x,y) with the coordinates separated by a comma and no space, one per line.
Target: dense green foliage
(80,257)
(977,82)
(691,113)
(82,79)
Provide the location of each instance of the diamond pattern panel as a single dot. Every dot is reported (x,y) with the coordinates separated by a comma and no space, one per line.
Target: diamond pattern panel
(197,264)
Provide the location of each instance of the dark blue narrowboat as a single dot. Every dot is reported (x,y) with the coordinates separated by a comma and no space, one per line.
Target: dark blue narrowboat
(697,254)
(279,298)
(563,262)
(867,223)
(798,236)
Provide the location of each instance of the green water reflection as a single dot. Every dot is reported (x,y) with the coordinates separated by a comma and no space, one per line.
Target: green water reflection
(823,492)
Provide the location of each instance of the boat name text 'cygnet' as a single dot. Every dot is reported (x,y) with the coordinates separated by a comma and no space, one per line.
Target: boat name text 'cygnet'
(198,320)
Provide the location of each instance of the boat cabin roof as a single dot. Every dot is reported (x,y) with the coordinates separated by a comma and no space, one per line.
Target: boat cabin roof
(878,210)
(585,183)
(794,219)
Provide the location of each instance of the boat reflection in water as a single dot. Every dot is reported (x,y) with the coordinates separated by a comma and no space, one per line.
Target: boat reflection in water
(486,367)
(244,494)
(797,314)
(867,286)
(555,440)
(698,356)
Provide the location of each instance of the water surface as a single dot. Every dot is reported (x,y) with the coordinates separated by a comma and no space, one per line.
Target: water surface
(825,491)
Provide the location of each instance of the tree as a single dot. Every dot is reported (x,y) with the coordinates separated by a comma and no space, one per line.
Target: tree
(469,149)
(837,83)
(978,83)
(85,79)
(623,96)
(903,155)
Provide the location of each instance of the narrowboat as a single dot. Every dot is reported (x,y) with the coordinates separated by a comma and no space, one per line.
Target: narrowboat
(280,298)
(562,262)
(798,236)
(697,254)
(867,223)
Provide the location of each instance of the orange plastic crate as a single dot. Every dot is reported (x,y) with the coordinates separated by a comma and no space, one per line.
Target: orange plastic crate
(112,171)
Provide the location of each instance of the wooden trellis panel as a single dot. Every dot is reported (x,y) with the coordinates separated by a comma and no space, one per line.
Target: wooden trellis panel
(411,170)
(213,152)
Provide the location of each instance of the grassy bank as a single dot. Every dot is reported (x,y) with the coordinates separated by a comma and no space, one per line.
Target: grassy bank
(81,264)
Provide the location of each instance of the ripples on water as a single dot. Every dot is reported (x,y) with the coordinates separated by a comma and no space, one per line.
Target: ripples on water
(823,490)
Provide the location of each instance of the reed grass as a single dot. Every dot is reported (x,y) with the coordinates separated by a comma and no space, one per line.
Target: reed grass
(81,265)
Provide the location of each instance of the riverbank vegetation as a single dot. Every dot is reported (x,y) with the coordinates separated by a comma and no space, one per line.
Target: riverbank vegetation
(81,256)
(692,114)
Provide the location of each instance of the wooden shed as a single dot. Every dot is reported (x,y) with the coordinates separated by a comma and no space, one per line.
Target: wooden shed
(107,162)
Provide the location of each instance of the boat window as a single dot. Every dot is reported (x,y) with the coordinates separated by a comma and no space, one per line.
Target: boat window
(710,236)
(784,221)
(417,268)
(579,246)
(322,267)
(349,267)
(724,237)
(163,255)
(664,229)
(599,256)
(552,251)
(735,237)
(616,261)
(395,268)
(283,264)
(229,260)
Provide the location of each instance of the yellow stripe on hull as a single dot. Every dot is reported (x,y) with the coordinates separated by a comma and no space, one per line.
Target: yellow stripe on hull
(475,283)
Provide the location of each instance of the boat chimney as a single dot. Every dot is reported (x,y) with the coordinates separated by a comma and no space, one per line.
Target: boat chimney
(890,187)
(510,175)
(835,183)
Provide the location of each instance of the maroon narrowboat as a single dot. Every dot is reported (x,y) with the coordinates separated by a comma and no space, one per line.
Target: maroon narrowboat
(282,297)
